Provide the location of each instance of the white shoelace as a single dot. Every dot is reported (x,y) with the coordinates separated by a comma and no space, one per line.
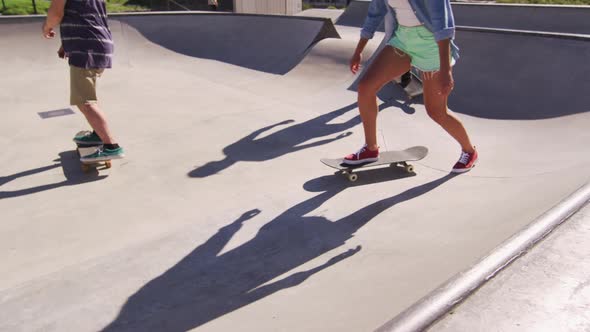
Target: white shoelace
(99,151)
(464,158)
(358,153)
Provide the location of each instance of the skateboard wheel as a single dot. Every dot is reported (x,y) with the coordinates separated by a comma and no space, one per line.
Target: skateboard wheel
(409,168)
(352,177)
(107,164)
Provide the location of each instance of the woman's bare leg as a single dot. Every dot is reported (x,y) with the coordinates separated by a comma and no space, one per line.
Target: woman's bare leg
(389,64)
(436,106)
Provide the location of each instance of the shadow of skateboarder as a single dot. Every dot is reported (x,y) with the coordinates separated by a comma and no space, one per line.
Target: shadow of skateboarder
(207,284)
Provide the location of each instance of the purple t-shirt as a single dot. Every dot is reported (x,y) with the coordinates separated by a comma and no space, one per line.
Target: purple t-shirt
(85,34)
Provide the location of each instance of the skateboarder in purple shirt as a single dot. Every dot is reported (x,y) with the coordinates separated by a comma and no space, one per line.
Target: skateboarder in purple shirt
(423,39)
(88,44)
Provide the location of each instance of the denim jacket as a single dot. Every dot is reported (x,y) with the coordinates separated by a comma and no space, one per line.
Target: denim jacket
(435,15)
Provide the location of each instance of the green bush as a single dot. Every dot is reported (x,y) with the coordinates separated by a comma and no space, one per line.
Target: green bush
(117,6)
(24,7)
(17,11)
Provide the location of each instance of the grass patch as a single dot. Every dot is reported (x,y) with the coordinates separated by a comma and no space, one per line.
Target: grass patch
(25,7)
(548,2)
(119,6)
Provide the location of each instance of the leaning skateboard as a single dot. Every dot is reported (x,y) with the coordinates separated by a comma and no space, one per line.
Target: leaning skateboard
(88,149)
(393,158)
(413,87)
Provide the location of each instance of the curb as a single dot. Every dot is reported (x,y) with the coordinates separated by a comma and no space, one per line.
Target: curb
(437,303)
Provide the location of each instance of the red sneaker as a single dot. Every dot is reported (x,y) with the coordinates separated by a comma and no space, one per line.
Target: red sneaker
(466,162)
(364,155)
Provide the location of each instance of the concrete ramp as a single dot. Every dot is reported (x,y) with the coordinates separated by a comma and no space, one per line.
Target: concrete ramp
(556,18)
(270,44)
(517,76)
(355,14)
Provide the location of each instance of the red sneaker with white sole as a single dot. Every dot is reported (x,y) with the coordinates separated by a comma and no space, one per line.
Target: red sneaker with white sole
(364,155)
(466,162)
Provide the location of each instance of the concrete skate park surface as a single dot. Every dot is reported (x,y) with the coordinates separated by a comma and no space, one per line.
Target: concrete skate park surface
(222,214)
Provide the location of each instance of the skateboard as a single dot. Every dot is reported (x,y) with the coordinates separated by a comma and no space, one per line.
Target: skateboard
(87,149)
(393,158)
(414,87)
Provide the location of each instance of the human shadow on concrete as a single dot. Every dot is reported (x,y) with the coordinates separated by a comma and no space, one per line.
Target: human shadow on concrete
(287,140)
(337,182)
(208,284)
(70,163)
(391,94)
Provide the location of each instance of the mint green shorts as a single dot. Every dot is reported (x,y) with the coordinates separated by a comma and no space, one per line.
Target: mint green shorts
(419,43)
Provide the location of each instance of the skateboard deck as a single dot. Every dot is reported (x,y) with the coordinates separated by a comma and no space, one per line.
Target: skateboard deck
(87,166)
(88,149)
(393,158)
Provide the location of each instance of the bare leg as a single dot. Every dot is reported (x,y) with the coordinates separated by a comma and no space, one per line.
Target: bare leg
(97,121)
(389,64)
(436,106)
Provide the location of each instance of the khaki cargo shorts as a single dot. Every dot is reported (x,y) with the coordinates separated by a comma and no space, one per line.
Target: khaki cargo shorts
(83,85)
